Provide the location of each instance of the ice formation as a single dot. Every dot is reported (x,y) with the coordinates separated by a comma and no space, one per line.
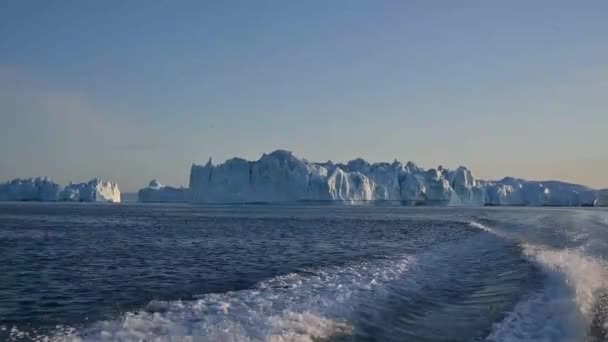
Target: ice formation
(282,177)
(602,198)
(158,193)
(513,191)
(96,190)
(31,189)
(45,190)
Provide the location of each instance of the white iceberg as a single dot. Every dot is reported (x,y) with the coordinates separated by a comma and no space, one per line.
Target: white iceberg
(282,177)
(158,193)
(95,190)
(602,198)
(31,189)
(513,191)
(43,189)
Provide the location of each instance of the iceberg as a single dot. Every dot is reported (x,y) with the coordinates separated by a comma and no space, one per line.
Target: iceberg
(513,191)
(602,198)
(31,189)
(95,190)
(158,193)
(467,190)
(276,177)
(43,189)
(282,177)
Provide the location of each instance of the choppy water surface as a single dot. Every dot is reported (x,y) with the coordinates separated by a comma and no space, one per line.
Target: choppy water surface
(71,272)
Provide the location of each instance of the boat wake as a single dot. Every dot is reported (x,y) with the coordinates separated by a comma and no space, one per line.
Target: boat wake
(308,306)
(572,304)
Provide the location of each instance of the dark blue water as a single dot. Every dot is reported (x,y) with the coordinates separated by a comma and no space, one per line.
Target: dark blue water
(256,273)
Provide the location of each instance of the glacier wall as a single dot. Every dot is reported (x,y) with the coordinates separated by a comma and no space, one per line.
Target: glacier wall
(45,190)
(282,177)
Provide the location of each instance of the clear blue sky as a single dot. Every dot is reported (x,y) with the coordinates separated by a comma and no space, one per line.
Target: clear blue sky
(134,90)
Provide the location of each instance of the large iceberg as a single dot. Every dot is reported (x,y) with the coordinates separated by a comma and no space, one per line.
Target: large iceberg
(282,177)
(95,190)
(45,190)
(31,189)
(513,191)
(602,198)
(158,193)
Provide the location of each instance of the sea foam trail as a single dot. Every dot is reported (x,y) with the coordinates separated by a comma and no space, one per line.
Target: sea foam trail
(292,307)
(570,305)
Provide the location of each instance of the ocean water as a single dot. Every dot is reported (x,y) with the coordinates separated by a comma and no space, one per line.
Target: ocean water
(87,272)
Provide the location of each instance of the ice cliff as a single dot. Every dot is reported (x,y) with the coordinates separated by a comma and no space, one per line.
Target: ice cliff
(282,177)
(158,193)
(44,189)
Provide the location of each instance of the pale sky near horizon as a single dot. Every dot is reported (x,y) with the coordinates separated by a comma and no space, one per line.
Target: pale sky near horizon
(135,90)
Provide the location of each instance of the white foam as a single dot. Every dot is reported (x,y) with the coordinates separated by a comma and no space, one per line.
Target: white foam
(489,230)
(564,309)
(480,226)
(291,307)
(585,275)
(543,316)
